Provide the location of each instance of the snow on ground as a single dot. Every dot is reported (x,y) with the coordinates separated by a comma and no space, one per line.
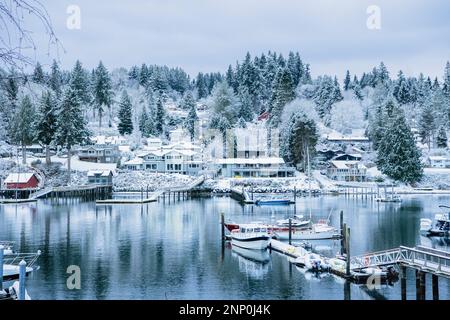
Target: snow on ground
(135,180)
(260,185)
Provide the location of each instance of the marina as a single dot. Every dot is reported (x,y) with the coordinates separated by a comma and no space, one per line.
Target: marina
(158,249)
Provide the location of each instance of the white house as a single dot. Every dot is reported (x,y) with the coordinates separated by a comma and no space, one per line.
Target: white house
(256,168)
(438,161)
(347,170)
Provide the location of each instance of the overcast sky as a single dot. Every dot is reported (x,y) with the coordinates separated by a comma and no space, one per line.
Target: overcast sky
(207,35)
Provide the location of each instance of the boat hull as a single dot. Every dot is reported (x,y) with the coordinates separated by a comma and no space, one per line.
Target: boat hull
(273,202)
(306,235)
(253,243)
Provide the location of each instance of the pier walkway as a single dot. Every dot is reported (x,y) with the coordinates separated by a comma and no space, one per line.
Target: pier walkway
(156,194)
(421,258)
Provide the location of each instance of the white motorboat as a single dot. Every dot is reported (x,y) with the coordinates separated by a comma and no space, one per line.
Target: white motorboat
(312,262)
(7,247)
(318,231)
(251,236)
(440,227)
(296,222)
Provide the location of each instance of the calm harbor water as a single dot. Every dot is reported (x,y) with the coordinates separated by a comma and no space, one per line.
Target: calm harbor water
(174,251)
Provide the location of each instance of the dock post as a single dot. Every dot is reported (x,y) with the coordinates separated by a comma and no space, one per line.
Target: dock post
(2,250)
(423,287)
(22,275)
(344,241)
(147,192)
(435,285)
(341,224)
(403,281)
(290,231)
(420,285)
(347,249)
(142,194)
(222,223)
(295,194)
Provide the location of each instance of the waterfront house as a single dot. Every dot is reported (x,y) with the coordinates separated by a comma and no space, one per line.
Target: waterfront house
(438,161)
(251,142)
(99,153)
(347,170)
(356,136)
(253,168)
(348,157)
(23,180)
(182,157)
(103,177)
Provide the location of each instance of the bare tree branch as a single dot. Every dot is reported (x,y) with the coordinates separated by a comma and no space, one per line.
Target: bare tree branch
(15,38)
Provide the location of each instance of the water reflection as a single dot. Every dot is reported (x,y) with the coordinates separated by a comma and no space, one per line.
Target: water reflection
(160,251)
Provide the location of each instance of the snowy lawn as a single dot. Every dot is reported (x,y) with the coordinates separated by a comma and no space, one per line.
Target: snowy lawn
(135,180)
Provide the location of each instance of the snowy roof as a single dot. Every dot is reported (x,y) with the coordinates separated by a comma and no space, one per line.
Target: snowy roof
(124,148)
(346,164)
(103,173)
(439,158)
(342,137)
(23,177)
(266,160)
(135,161)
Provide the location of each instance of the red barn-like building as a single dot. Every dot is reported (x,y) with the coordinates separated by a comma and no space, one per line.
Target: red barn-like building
(26,180)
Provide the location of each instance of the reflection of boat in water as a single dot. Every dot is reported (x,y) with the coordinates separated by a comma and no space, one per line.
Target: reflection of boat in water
(260,256)
(441,243)
(251,236)
(389,198)
(439,228)
(254,263)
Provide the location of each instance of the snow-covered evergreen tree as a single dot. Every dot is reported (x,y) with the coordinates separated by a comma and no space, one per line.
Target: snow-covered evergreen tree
(191,121)
(46,122)
(71,128)
(427,125)
(282,94)
(23,131)
(38,74)
(159,117)
(79,82)
(441,139)
(327,93)
(347,81)
(398,156)
(125,114)
(55,80)
(298,138)
(246,105)
(188,101)
(103,93)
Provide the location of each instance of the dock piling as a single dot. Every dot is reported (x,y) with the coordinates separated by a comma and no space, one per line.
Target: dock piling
(435,285)
(22,275)
(347,249)
(2,250)
(290,231)
(403,281)
(222,222)
(341,225)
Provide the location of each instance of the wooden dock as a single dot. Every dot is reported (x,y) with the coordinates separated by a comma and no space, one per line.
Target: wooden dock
(180,192)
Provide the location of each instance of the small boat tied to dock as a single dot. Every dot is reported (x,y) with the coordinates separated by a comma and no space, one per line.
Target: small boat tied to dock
(440,227)
(251,236)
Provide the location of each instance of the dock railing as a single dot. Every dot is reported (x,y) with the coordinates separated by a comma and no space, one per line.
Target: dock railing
(29,258)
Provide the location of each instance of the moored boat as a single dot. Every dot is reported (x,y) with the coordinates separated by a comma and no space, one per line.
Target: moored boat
(318,231)
(251,236)
(273,201)
(440,227)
